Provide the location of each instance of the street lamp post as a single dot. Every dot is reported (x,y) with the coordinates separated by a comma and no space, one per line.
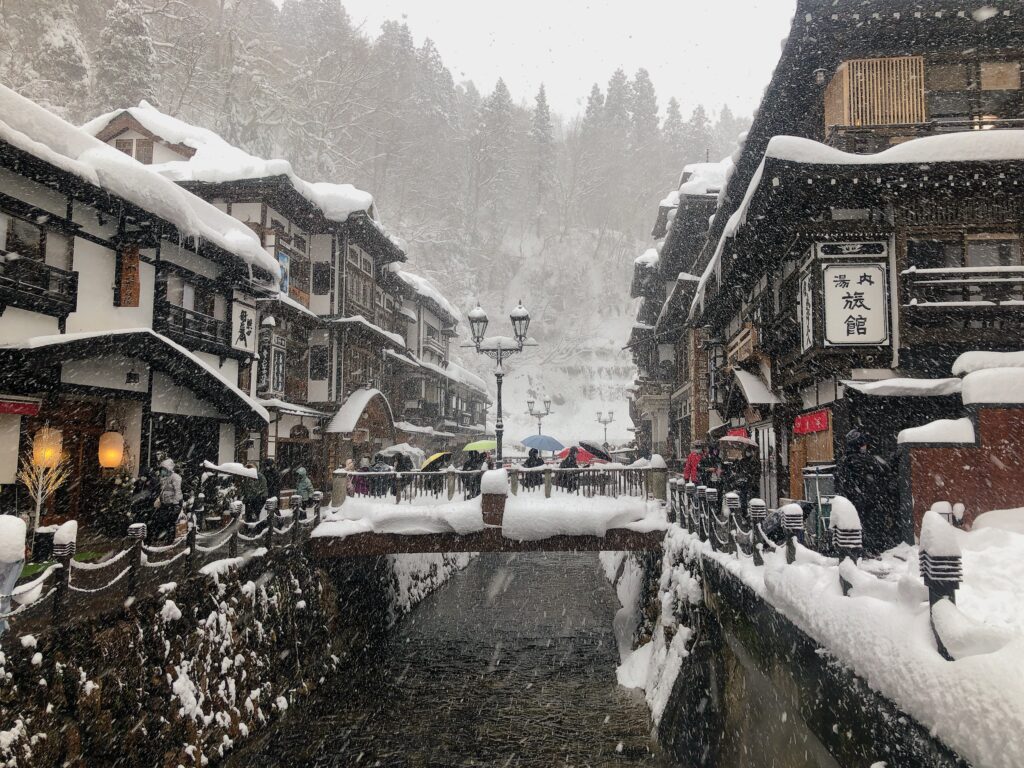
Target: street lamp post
(605,421)
(539,414)
(498,348)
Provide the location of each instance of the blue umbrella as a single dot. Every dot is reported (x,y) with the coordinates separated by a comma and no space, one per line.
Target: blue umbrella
(542,443)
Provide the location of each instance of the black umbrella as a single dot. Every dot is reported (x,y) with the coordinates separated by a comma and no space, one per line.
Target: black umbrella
(599,453)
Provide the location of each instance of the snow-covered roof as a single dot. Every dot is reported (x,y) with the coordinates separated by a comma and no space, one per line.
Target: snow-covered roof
(902,387)
(215,160)
(41,342)
(969,362)
(427,290)
(754,389)
(347,417)
(939,431)
(458,374)
(27,126)
(282,406)
(704,178)
(360,320)
(994,386)
(966,146)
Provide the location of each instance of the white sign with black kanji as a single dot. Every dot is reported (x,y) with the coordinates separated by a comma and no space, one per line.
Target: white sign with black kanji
(806,311)
(856,304)
(243,327)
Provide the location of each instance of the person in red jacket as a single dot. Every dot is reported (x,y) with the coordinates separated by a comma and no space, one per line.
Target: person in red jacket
(690,470)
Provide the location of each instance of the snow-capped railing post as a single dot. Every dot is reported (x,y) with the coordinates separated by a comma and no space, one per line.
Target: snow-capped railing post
(690,508)
(272,518)
(493,494)
(941,565)
(236,516)
(296,506)
(548,475)
(700,510)
(793,525)
(339,487)
(191,541)
(318,500)
(847,535)
(62,553)
(513,476)
(136,540)
(712,506)
(450,480)
(673,500)
(657,478)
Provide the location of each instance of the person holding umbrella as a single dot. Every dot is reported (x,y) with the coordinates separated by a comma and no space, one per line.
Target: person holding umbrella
(532,479)
(569,479)
(747,476)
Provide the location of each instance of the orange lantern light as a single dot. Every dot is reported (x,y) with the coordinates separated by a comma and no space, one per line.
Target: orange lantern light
(46,447)
(111,452)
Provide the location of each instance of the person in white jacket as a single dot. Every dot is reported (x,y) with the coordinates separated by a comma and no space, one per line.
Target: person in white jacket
(168,502)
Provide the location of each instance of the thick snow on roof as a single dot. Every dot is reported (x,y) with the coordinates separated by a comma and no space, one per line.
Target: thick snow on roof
(427,290)
(704,178)
(969,362)
(966,146)
(38,342)
(994,386)
(347,417)
(360,320)
(458,374)
(217,161)
(754,389)
(940,431)
(901,387)
(27,126)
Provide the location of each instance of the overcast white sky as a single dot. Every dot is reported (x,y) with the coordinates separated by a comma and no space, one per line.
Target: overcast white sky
(701,51)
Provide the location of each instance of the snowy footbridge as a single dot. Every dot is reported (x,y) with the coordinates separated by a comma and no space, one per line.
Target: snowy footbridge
(516,510)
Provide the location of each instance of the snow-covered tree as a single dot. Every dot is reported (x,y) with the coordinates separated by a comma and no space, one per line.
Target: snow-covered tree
(542,156)
(125,73)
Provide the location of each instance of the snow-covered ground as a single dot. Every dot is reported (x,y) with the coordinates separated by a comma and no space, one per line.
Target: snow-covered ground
(527,517)
(882,631)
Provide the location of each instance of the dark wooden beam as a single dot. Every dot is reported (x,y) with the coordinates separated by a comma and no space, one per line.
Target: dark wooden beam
(488,540)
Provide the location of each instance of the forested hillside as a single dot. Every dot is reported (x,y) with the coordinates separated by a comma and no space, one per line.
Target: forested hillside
(496,197)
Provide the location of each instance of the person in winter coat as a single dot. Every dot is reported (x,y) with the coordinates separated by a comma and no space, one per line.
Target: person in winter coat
(168,500)
(474,463)
(868,482)
(303,485)
(709,468)
(361,485)
(569,480)
(254,492)
(747,476)
(379,486)
(533,479)
(690,468)
(273,478)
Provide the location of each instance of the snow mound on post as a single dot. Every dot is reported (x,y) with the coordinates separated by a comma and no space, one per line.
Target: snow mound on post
(994,386)
(66,533)
(844,515)
(494,483)
(939,431)
(938,538)
(12,539)
(657,462)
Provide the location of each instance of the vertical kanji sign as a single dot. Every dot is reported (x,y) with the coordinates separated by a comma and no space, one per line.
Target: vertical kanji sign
(856,304)
(243,327)
(806,311)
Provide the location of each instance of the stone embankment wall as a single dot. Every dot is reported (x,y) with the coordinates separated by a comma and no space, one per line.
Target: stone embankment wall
(180,677)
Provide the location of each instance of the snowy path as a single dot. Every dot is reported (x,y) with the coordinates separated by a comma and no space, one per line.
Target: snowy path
(513,663)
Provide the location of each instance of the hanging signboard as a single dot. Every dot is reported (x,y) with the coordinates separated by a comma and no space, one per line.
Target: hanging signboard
(856,304)
(810,423)
(806,311)
(243,327)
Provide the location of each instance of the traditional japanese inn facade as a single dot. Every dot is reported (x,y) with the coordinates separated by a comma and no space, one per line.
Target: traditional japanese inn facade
(869,234)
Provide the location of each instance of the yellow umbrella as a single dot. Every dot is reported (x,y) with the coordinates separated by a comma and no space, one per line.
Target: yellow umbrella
(435,459)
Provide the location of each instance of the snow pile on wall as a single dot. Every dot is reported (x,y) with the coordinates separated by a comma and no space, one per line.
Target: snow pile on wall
(494,482)
(12,539)
(883,634)
(27,126)
(994,386)
(215,160)
(416,576)
(939,431)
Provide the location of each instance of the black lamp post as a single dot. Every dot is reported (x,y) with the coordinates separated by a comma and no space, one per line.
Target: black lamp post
(605,421)
(498,348)
(539,414)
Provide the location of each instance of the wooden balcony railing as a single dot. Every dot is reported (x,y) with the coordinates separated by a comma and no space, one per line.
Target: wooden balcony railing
(191,328)
(29,284)
(744,345)
(963,288)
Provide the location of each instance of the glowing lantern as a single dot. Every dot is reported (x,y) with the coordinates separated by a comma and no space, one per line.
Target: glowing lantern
(111,449)
(46,447)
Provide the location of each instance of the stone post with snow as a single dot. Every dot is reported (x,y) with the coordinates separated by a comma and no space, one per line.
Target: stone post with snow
(493,493)
(657,477)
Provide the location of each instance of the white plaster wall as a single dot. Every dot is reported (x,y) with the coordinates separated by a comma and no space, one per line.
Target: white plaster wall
(226,446)
(96,311)
(10,431)
(174,253)
(33,193)
(169,397)
(105,371)
(317,390)
(248,212)
(20,324)
(229,370)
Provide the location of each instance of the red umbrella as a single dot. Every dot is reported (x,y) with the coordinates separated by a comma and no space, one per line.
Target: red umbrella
(582,456)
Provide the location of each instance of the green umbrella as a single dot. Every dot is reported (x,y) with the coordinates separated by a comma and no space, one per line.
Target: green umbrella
(481,446)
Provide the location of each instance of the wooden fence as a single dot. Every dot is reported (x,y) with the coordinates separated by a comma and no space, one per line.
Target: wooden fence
(68,589)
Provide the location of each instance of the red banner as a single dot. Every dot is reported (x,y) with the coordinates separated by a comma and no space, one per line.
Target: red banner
(815,421)
(738,432)
(19,408)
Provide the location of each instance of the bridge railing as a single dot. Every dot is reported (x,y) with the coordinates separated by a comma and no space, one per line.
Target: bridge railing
(448,485)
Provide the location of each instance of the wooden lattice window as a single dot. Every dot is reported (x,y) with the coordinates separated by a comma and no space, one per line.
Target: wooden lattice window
(884,91)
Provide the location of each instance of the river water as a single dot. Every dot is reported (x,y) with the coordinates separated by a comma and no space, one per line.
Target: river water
(512,663)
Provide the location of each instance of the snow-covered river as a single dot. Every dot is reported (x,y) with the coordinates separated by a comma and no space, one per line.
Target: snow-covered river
(512,664)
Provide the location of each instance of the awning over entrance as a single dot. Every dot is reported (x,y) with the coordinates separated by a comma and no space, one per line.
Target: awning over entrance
(346,420)
(178,363)
(901,387)
(755,391)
